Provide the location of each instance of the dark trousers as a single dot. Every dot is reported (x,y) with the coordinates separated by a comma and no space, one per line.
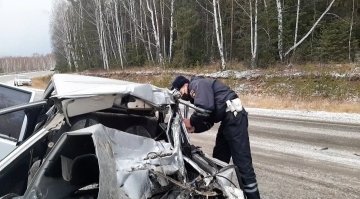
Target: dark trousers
(232,140)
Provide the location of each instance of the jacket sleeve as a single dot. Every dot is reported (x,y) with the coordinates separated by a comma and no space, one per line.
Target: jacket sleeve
(204,98)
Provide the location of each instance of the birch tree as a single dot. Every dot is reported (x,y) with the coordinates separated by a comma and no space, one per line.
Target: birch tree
(280,29)
(162,15)
(72,34)
(140,26)
(147,30)
(231,28)
(62,32)
(25,64)
(311,29)
(171,29)
(253,34)
(127,32)
(297,22)
(219,32)
(101,33)
(118,32)
(155,29)
(351,27)
(267,21)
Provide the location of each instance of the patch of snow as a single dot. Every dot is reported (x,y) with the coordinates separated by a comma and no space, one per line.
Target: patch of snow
(352,118)
(337,75)
(298,74)
(248,74)
(244,88)
(356,70)
(354,74)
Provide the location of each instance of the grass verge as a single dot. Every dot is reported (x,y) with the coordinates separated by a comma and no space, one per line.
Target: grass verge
(40,82)
(276,102)
(314,92)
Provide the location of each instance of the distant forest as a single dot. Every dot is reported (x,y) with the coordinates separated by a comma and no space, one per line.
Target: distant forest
(114,34)
(26,64)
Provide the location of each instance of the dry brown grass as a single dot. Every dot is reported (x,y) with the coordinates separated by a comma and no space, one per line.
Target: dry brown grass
(273,102)
(40,82)
(163,79)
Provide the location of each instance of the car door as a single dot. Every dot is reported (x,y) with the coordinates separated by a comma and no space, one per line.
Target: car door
(12,125)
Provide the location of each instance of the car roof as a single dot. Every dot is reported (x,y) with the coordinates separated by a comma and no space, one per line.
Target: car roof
(78,86)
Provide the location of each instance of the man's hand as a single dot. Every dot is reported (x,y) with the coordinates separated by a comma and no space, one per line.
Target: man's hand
(189,128)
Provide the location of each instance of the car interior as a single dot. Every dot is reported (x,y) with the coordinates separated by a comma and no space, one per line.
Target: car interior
(70,167)
(70,171)
(76,159)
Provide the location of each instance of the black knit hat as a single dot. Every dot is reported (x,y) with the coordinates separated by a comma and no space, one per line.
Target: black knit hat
(179,82)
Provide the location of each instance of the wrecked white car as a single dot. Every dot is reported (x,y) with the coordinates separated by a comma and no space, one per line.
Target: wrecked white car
(93,137)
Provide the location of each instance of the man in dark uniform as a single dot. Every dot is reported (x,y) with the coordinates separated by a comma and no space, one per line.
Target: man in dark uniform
(232,139)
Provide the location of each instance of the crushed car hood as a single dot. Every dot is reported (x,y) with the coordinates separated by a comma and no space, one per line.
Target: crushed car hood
(77,86)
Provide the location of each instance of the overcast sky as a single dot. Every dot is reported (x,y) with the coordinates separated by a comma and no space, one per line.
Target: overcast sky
(24,27)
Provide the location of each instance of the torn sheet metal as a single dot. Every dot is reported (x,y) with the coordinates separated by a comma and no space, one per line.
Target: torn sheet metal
(130,157)
(177,147)
(77,86)
(227,179)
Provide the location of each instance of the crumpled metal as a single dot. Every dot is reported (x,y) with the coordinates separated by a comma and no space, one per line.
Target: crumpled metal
(125,161)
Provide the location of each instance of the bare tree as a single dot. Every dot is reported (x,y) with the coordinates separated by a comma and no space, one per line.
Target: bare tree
(101,33)
(139,25)
(155,29)
(351,27)
(280,29)
(297,23)
(25,64)
(218,32)
(108,25)
(118,33)
(63,31)
(267,30)
(231,28)
(162,15)
(311,29)
(253,35)
(147,30)
(171,28)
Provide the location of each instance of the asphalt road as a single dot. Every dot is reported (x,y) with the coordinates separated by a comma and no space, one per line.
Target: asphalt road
(300,159)
(9,80)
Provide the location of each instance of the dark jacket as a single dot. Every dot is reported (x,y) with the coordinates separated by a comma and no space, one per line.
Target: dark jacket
(209,94)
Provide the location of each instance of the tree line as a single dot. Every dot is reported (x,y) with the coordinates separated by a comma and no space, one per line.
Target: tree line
(108,34)
(26,64)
